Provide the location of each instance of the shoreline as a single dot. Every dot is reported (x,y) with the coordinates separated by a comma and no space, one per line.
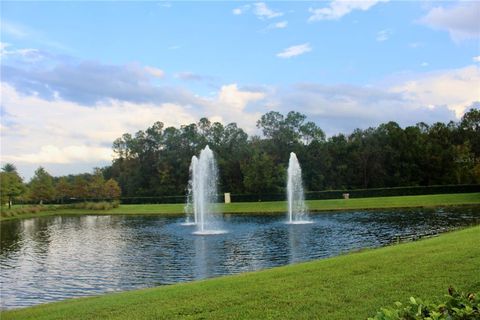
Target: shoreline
(279,207)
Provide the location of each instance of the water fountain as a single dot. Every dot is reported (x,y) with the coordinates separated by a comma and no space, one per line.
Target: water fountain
(189,206)
(297,209)
(203,193)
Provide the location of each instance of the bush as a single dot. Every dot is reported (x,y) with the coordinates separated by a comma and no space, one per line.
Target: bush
(25,210)
(103,205)
(456,306)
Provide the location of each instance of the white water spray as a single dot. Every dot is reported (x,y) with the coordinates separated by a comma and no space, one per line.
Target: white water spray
(203,193)
(190,206)
(297,209)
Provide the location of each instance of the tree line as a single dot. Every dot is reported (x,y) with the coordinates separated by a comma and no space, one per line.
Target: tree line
(45,188)
(155,162)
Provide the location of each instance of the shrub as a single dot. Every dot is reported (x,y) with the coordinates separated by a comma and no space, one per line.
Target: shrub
(26,210)
(456,306)
(103,205)
(34,209)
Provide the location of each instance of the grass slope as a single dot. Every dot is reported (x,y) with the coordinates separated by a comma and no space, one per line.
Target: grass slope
(352,286)
(437,200)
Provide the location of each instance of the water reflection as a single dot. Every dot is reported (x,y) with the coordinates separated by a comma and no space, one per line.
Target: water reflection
(53,258)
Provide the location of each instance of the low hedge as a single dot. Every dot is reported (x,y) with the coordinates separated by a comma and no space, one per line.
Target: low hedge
(102,205)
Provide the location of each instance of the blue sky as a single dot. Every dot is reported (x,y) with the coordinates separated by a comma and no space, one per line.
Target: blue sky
(66,67)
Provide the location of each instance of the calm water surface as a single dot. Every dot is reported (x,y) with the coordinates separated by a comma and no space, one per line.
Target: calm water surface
(54,258)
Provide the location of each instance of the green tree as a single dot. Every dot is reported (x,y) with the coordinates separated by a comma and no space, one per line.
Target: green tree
(470,129)
(9,168)
(156,161)
(262,176)
(111,189)
(41,186)
(95,187)
(11,184)
(63,189)
(80,187)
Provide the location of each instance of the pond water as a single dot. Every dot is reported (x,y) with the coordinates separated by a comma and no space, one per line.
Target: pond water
(54,258)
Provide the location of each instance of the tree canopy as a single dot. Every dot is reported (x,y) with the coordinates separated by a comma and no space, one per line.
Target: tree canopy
(11,184)
(155,161)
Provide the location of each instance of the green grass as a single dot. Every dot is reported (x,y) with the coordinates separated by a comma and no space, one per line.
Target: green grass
(351,286)
(438,200)
(361,203)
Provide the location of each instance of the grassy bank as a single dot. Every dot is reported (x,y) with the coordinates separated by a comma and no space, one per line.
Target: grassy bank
(438,200)
(352,286)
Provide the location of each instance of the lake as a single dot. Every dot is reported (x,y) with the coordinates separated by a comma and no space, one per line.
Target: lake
(53,258)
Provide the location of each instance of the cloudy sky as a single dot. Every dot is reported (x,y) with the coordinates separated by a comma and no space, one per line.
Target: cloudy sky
(75,76)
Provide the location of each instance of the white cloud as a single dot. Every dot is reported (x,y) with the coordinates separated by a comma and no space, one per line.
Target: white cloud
(230,105)
(262,11)
(236,99)
(278,25)
(36,130)
(27,54)
(69,154)
(462,20)
(241,10)
(476,59)
(456,89)
(339,8)
(3,47)
(158,73)
(88,82)
(40,132)
(424,64)
(429,97)
(295,51)
(384,35)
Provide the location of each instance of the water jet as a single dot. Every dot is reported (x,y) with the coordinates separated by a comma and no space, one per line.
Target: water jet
(202,193)
(297,209)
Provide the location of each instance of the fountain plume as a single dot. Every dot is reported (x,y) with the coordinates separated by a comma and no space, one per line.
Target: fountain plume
(297,209)
(203,192)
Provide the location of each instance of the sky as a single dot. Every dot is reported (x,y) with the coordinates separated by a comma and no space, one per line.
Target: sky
(77,75)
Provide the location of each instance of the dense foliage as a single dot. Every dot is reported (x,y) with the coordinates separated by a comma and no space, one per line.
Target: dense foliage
(11,184)
(43,188)
(155,162)
(456,306)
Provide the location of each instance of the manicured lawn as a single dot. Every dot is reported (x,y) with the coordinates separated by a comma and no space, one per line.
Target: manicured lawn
(281,206)
(362,203)
(351,286)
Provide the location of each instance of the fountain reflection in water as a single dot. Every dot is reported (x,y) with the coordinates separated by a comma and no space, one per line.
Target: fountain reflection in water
(297,209)
(202,194)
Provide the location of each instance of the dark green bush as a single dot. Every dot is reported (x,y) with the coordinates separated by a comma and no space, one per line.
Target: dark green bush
(455,306)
